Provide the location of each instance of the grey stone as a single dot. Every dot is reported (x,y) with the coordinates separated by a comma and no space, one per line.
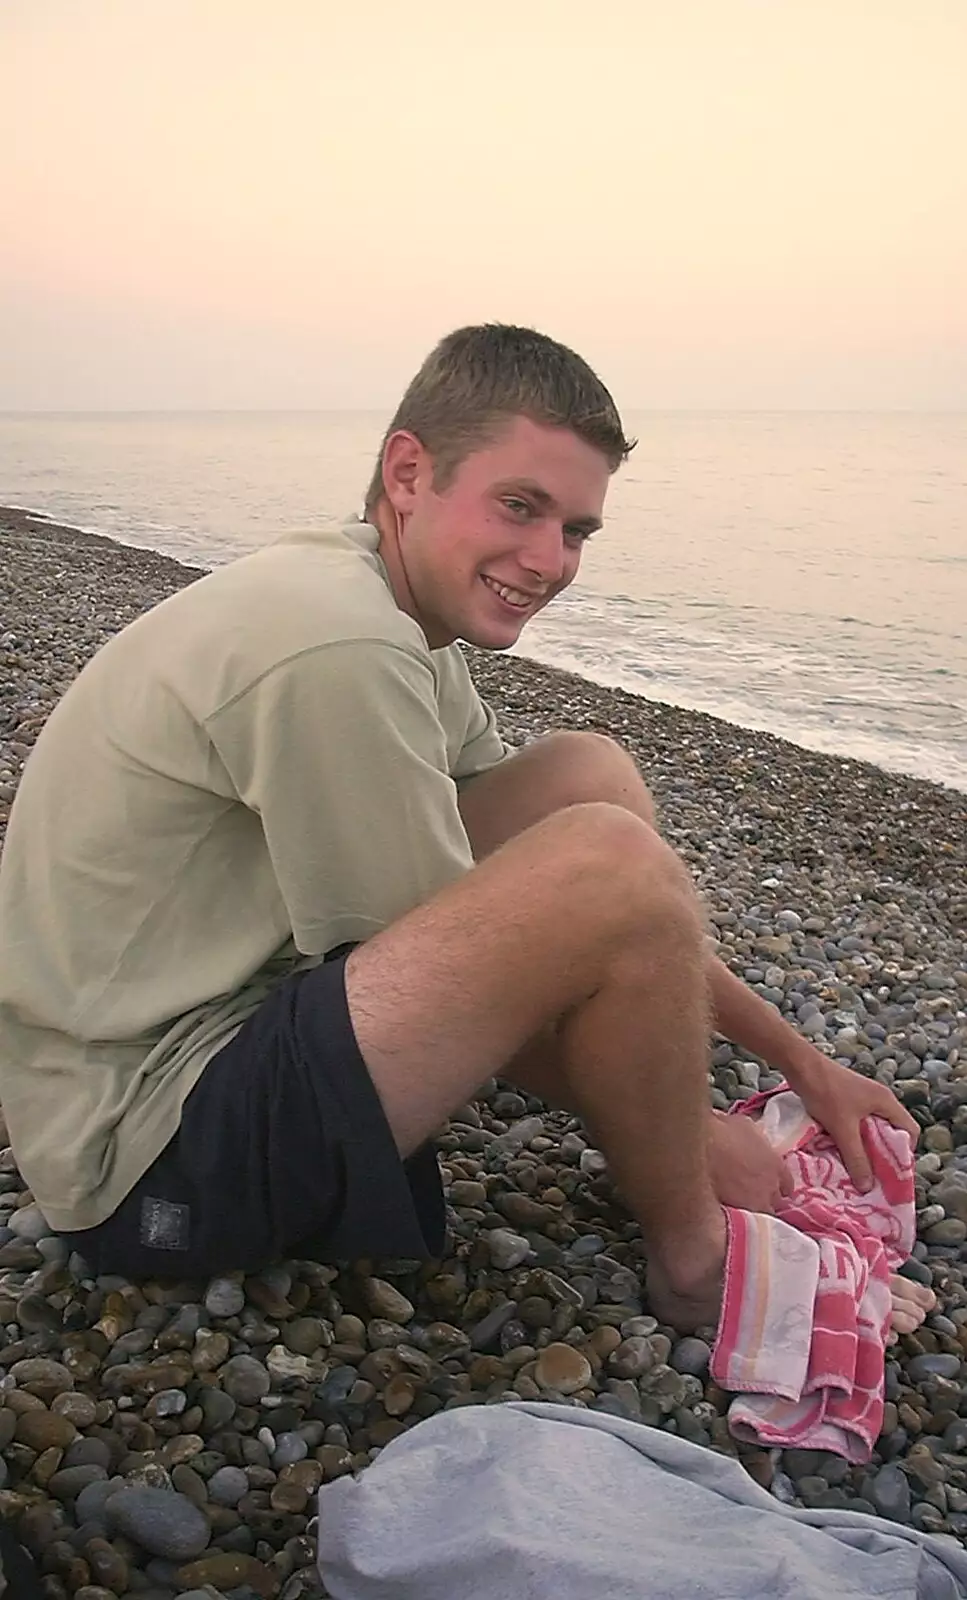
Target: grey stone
(955,1437)
(336,1388)
(304,1335)
(90,1503)
(35,1314)
(507,1249)
(933,1366)
(55,1251)
(572,1147)
(227,1486)
(917,1272)
(485,1335)
(953,1198)
(42,1375)
(86,1453)
(134,1343)
(632,1358)
(163,1573)
(950,1230)
(29,1223)
(166,1524)
(691,1356)
(218,1408)
(587,1246)
(891,1493)
(169,1403)
(520,1134)
(224,1297)
(245,1379)
(69,1481)
(289,1448)
(941,1324)
(801,1463)
(593,1163)
(179,1334)
(639,1327)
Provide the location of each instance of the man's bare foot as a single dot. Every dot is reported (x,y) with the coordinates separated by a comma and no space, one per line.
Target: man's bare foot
(911,1303)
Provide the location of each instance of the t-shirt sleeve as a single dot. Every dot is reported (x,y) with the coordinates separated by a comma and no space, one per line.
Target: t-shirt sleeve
(483,747)
(342,754)
(478,745)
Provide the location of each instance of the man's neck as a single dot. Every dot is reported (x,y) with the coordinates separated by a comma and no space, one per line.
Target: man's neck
(384,520)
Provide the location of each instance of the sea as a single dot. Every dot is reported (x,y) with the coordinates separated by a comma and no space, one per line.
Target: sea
(804,573)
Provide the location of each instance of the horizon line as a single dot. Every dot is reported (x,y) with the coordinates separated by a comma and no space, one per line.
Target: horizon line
(652,410)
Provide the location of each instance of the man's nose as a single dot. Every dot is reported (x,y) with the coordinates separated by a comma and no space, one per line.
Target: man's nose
(544,553)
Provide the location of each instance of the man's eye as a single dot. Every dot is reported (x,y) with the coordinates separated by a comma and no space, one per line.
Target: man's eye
(578,535)
(520,508)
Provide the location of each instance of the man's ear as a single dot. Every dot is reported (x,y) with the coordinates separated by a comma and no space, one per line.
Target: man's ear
(406,464)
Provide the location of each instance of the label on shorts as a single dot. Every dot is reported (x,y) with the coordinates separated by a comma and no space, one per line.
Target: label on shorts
(165,1224)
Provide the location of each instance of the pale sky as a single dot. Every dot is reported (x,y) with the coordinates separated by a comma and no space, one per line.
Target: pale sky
(284,203)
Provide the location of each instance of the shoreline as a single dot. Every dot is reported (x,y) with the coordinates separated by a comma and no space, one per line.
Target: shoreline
(20,517)
(610,681)
(835,889)
(893,824)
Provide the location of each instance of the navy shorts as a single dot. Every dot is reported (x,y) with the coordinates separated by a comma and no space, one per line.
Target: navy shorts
(283,1152)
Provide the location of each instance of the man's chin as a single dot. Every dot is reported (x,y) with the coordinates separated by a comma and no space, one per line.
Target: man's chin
(492,638)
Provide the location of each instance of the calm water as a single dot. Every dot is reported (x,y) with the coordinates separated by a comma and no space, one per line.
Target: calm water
(801,573)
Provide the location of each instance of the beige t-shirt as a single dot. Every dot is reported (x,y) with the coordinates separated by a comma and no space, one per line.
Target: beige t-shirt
(261,768)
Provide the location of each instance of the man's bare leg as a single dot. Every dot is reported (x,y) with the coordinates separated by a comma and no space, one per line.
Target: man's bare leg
(589,922)
(566,769)
(562,769)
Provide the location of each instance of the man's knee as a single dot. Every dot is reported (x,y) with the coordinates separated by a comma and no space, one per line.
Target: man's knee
(594,767)
(608,851)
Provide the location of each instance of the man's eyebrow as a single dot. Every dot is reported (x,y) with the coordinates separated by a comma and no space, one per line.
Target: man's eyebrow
(543,498)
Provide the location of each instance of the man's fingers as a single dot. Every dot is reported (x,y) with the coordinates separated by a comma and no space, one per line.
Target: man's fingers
(787,1182)
(854,1155)
(900,1117)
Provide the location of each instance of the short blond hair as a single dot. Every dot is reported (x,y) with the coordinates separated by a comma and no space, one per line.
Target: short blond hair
(479,378)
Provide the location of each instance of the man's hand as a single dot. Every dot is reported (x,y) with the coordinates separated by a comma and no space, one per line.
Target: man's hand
(839,1099)
(746,1172)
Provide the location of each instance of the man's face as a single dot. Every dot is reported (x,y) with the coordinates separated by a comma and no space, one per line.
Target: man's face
(504,537)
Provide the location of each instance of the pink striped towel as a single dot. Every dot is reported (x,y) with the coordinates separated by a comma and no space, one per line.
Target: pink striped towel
(806,1307)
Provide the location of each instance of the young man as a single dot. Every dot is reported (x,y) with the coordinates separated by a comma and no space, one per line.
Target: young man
(276,898)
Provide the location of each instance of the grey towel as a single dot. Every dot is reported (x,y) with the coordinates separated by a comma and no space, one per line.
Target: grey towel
(550,1502)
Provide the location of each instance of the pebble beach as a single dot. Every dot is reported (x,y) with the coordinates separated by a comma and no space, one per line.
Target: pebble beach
(169,1439)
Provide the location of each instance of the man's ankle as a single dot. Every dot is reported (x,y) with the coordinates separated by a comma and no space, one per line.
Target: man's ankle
(691,1257)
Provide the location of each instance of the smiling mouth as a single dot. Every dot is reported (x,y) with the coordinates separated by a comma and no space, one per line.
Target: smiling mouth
(517,599)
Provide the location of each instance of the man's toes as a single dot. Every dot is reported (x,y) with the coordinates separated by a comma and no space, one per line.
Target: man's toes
(910,1303)
(904,1320)
(905,1289)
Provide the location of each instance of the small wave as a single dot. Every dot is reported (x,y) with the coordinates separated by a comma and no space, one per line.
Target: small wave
(177,548)
(935,763)
(40,516)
